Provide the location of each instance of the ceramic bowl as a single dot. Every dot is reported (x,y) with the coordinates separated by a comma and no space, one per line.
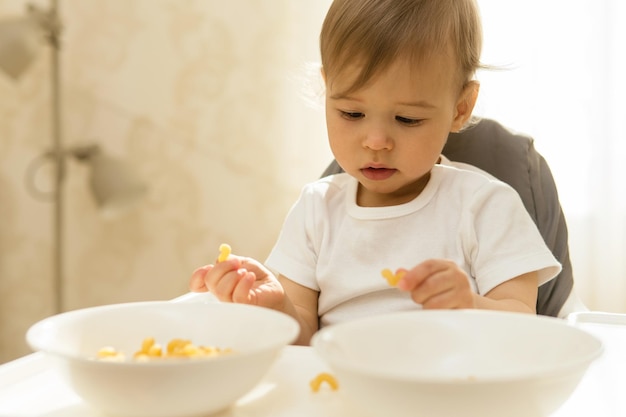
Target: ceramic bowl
(164,387)
(466,363)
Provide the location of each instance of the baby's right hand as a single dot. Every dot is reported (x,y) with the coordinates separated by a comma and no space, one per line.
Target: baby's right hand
(239,280)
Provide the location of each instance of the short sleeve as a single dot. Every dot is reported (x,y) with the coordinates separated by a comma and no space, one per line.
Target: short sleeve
(504,240)
(294,254)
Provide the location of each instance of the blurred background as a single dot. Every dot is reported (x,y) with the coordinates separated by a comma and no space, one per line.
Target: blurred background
(213,107)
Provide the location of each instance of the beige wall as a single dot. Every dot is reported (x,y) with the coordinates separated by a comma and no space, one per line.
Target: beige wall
(204,98)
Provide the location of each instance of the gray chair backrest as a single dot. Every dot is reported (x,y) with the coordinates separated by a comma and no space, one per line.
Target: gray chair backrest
(512,158)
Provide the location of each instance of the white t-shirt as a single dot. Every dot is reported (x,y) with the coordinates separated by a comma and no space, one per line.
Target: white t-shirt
(333,246)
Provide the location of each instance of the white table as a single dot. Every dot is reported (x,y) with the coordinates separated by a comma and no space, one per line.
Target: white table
(30,387)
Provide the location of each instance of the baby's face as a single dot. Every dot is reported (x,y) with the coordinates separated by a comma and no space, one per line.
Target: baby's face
(390,133)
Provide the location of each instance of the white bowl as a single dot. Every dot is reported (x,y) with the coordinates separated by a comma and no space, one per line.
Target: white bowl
(463,363)
(164,387)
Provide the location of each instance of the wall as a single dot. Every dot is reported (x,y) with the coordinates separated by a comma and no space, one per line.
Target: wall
(562,83)
(204,98)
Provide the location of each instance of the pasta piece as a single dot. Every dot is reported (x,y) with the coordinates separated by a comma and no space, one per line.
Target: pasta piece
(225,251)
(108,353)
(176,345)
(149,349)
(316,382)
(392,278)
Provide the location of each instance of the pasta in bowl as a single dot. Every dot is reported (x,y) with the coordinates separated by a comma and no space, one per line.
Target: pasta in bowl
(470,363)
(188,384)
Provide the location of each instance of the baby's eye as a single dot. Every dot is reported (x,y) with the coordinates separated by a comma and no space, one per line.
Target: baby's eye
(407,121)
(352,115)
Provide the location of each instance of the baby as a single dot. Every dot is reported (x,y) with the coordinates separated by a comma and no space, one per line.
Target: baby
(399,77)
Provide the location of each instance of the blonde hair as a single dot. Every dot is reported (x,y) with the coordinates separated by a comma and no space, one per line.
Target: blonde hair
(374,33)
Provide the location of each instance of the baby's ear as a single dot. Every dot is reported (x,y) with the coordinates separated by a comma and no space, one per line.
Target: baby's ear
(465,105)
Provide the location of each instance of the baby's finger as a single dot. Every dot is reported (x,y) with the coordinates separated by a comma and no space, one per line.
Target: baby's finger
(219,270)
(241,293)
(420,273)
(435,285)
(196,283)
(452,297)
(225,287)
(442,300)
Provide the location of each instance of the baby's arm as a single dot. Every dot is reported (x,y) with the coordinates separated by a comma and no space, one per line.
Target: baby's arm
(517,294)
(301,304)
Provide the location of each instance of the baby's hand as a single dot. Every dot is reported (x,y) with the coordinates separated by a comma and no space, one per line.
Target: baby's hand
(238,279)
(438,284)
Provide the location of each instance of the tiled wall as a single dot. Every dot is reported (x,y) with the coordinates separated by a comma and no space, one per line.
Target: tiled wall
(204,98)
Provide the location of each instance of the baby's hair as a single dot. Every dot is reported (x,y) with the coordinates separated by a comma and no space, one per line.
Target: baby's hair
(374,33)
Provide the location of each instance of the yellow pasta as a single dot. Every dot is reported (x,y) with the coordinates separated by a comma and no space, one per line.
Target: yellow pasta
(109,353)
(225,251)
(149,349)
(184,348)
(392,278)
(176,348)
(176,345)
(316,382)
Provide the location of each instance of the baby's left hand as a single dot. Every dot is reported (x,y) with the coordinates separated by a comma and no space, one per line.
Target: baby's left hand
(438,284)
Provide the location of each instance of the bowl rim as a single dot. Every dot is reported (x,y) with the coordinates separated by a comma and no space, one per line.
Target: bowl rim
(289,337)
(571,366)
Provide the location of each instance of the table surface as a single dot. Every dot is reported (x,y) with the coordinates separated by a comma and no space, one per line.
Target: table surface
(31,386)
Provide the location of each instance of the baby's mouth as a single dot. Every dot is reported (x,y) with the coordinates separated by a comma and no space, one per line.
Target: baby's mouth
(377,174)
